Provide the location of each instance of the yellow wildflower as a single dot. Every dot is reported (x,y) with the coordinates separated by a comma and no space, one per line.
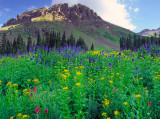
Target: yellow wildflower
(63,76)
(104,114)
(141,78)
(110,81)
(108,118)
(49,81)
(66,70)
(65,88)
(117,73)
(145,88)
(78,84)
(76,67)
(74,77)
(137,96)
(106,102)
(19,115)
(102,78)
(24,116)
(105,95)
(15,85)
(125,103)
(25,90)
(116,112)
(0,81)
(81,67)
(78,73)
(28,80)
(8,84)
(36,80)
(11,117)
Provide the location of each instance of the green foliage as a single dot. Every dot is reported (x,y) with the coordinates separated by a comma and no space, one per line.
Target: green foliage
(85,85)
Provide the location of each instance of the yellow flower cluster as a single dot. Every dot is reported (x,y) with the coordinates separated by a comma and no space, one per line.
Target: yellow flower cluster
(78,73)
(65,88)
(28,80)
(63,76)
(104,114)
(36,80)
(15,85)
(24,116)
(19,115)
(25,91)
(9,84)
(78,84)
(116,112)
(110,81)
(125,103)
(106,102)
(0,81)
(137,96)
(102,78)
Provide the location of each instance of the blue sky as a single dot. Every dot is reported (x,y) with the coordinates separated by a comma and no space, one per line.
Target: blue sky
(135,15)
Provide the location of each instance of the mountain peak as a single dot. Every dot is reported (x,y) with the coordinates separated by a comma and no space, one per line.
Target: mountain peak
(58,12)
(148,32)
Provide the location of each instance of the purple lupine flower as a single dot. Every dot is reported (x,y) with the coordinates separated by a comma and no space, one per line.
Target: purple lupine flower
(132,59)
(37,62)
(110,65)
(137,71)
(119,54)
(91,60)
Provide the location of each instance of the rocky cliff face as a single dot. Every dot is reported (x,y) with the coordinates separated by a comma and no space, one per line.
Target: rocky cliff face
(72,14)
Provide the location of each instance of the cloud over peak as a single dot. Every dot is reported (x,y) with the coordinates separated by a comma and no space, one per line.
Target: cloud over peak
(110,10)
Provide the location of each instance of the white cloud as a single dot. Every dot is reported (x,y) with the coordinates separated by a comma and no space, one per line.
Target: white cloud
(110,10)
(130,8)
(32,7)
(136,10)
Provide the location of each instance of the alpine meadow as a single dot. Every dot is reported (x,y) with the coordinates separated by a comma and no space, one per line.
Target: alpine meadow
(66,62)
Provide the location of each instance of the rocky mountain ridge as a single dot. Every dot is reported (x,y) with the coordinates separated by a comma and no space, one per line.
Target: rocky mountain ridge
(56,12)
(148,32)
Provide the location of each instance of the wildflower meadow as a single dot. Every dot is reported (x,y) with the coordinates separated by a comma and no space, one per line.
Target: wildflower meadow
(72,83)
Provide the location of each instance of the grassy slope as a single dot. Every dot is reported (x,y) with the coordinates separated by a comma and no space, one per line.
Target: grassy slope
(102,38)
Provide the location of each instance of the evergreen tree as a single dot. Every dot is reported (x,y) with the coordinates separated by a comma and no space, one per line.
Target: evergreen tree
(14,46)
(8,47)
(58,41)
(92,47)
(63,44)
(29,43)
(39,42)
(47,40)
(4,43)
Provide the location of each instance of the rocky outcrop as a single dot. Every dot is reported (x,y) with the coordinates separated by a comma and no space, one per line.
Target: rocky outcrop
(72,14)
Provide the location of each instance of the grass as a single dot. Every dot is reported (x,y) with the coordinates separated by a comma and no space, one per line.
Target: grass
(9,27)
(48,17)
(76,84)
